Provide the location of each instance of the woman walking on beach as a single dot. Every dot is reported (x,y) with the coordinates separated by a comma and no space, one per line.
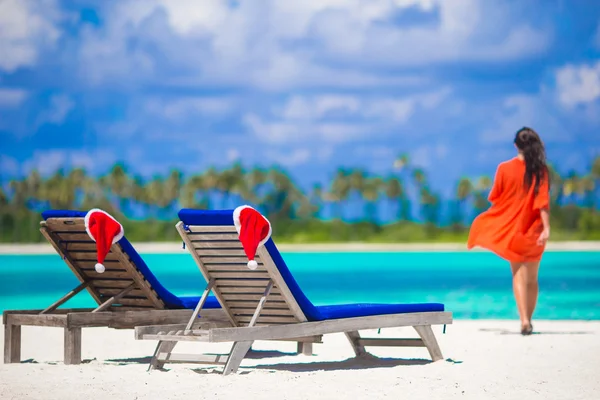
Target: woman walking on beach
(516,226)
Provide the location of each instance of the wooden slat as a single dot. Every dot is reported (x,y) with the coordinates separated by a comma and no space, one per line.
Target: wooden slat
(270,304)
(134,302)
(254,282)
(119,308)
(226,260)
(213,236)
(75,236)
(330,326)
(63,224)
(175,338)
(198,228)
(265,311)
(226,244)
(37,320)
(81,246)
(246,289)
(239,275)
(272,297)
(108,292)
(192,358)
(108,264)
(234,267)
(220,252)
(385,342)
(91,256)
(111,283)
(269,319)
(108,274)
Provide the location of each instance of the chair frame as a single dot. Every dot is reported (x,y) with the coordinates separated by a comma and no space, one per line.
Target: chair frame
(113,290)
(274,328)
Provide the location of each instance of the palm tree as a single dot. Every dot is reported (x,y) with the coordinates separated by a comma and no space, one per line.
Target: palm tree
(340,190)
(370,192)
(316,199)
(481,191)
(395,192)
(556,186)
(587,189)
(595,173)
(172,187)
(464,190)
(210,181)
(419,177)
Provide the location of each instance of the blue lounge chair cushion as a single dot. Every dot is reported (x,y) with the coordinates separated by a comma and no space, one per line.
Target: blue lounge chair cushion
(171,301)
(312,312)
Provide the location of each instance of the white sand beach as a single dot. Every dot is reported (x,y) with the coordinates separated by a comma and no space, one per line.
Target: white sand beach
(485,359)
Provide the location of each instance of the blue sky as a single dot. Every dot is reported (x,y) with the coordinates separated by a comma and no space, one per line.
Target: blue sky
(310,85)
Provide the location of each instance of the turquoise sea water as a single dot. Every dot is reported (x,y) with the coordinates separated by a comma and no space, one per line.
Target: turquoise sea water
(470,284)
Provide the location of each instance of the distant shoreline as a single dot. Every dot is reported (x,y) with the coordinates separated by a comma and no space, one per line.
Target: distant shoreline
(176,247)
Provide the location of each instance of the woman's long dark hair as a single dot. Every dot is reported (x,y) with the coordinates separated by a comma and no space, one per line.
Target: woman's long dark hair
(532,147)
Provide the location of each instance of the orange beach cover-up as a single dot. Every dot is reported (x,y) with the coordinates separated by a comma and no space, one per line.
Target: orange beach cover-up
(511,226)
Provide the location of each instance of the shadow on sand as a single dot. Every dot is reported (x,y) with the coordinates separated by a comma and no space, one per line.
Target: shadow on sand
(252,354)
(367,361)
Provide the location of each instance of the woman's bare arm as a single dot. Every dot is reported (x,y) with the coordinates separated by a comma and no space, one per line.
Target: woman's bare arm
(545,215)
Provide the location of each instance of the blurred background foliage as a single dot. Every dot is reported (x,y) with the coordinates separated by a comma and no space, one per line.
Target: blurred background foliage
(349,208)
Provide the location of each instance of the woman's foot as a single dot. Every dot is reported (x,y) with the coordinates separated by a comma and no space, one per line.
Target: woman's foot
(526,329)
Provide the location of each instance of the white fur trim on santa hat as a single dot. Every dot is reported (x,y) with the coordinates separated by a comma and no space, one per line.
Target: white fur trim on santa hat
(238,224)
(86,220)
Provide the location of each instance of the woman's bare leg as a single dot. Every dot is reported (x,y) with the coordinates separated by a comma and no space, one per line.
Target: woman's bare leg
(532,285)
(520,291)
(525,288)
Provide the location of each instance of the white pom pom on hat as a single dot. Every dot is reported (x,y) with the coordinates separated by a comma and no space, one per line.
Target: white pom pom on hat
(253,229)
(105,230)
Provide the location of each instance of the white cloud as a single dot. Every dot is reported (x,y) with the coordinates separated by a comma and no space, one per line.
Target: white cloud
(276,45)
(233,155)
(338,118)
(185,107)
(10,98)
(59,108)
(49,161)
(290,159)
(289,131)
(519,110)
(26,27)
(424,156)
(578,84)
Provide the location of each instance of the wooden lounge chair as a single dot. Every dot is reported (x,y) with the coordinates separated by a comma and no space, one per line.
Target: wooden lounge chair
(127,293)
(267,303)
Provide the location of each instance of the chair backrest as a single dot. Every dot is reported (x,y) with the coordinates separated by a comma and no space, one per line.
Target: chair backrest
(220,256)
(69,238)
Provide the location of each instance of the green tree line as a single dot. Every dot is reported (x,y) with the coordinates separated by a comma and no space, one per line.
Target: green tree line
(352,203)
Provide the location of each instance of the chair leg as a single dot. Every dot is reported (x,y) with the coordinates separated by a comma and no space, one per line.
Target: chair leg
(305,348)
(72,347)
(12,344)
(353,338)
(161,347)
(426,334)
(238,352)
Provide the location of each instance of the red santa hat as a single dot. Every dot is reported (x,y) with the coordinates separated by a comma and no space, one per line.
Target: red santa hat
(105,231)
(253,230)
